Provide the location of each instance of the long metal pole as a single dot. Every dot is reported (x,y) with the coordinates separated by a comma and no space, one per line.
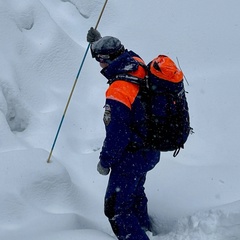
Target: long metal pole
(74,85)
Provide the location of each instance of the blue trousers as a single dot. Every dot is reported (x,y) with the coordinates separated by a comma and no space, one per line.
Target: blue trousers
(126,205)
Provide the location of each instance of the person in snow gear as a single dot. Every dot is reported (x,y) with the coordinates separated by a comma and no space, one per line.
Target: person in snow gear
(124,153)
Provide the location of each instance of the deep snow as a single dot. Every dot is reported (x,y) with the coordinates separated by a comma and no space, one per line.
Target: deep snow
(42,42)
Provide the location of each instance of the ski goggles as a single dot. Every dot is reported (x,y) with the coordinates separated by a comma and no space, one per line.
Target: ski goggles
(103,58)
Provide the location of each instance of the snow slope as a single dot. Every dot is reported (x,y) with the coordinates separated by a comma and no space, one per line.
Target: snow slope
(193,196)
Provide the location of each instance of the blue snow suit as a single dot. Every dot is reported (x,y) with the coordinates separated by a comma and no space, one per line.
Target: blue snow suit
(123,151)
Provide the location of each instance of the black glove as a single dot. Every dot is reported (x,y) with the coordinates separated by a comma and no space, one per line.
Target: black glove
(102,170)
(93,35)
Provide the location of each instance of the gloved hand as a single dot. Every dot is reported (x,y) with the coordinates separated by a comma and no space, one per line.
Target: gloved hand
(102,170)
(93,35)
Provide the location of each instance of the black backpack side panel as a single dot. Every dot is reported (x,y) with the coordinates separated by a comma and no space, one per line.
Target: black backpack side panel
(169,123)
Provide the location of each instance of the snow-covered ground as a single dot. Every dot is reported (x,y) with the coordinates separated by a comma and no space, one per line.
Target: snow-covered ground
(42,43)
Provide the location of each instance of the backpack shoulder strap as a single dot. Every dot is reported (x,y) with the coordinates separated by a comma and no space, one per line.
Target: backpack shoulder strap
(137,77)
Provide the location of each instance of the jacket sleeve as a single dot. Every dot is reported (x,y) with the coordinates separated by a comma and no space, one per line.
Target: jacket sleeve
(118,133)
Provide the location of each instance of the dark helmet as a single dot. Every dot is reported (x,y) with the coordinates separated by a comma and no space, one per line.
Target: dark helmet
(107,49)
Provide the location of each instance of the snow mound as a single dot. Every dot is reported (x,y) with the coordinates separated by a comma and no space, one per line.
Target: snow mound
(219,223)
(84,234)
(37,196)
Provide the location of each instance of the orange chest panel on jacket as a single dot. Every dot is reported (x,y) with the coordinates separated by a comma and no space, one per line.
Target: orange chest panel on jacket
(122,91)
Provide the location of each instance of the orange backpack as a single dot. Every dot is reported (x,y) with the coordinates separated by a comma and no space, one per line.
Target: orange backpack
(167,107)
(163,95)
